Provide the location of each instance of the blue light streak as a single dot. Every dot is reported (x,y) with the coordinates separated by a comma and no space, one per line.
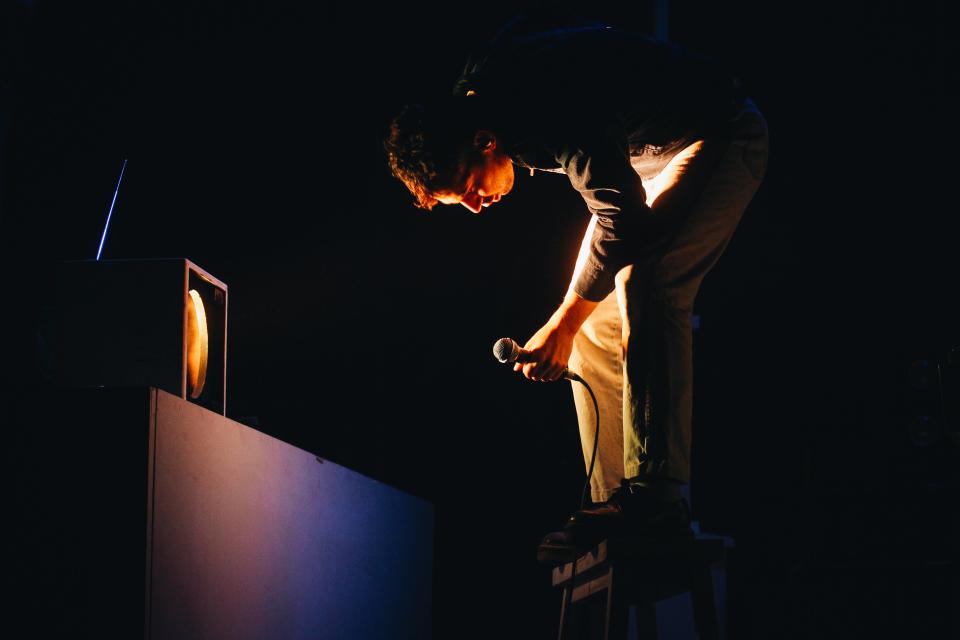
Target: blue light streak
(110,213)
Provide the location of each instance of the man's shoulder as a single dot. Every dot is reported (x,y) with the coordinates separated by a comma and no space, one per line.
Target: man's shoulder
(529,54)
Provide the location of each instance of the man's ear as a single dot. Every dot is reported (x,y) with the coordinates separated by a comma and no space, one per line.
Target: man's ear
(484,140)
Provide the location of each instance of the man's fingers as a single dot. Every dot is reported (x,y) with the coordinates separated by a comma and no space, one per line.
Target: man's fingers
(539,372)
(550,376)
(530,371)
(525,356)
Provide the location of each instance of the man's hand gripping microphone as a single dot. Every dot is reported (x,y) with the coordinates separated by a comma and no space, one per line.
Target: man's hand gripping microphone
(507,351)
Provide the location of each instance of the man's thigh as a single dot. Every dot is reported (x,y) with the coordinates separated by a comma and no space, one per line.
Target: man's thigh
(704,190)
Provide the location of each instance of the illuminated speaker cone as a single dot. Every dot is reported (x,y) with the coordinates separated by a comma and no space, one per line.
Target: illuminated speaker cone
(197,345)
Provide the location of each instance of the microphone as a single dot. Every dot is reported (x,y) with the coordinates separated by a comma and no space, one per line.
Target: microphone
(507,350)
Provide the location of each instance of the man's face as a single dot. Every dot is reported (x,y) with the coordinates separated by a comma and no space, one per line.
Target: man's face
(487,179)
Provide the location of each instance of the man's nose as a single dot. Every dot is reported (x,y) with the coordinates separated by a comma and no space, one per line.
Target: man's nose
(473,204)
(486,201)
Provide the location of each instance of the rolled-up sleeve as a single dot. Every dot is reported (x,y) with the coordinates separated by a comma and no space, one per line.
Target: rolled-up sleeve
(600,170)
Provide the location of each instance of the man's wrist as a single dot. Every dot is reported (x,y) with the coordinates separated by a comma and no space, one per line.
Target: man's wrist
(572,313)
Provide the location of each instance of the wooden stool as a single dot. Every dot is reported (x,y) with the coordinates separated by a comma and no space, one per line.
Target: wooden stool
(640,573)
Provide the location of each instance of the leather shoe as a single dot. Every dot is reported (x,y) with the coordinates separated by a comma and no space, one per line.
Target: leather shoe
(633,510)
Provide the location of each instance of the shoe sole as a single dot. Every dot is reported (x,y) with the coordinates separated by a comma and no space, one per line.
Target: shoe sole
(556,554)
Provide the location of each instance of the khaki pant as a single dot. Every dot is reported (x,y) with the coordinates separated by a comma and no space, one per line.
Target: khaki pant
(635,349)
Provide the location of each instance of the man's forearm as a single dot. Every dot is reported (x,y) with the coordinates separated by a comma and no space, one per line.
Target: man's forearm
(572,313)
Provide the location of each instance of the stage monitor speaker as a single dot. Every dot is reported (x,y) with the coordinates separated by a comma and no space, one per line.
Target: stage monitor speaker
(139,323)
(134,513)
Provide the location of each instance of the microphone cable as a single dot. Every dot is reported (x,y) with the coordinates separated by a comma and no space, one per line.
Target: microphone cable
(568,605)
(596,439)
(507,350)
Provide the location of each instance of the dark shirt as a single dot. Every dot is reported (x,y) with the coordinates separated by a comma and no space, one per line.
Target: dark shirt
(583,101)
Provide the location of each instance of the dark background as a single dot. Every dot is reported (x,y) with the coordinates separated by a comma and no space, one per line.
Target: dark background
(361,327)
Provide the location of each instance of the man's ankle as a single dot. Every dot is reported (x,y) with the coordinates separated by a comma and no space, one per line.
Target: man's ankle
(660,488)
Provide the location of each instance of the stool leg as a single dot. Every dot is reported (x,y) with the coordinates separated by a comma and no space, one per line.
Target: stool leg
(704,608)
(564,614)
(618,610)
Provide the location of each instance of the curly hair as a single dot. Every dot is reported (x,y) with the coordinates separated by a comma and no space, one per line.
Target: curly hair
(430,145)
